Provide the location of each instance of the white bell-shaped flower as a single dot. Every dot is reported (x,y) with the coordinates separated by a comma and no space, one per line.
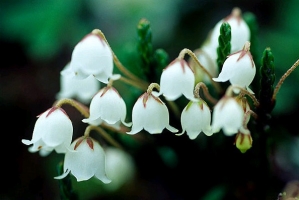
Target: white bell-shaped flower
(207,56)
(196,118)
(151,114)
(85,159)
(177,79)
(115,158)
(81,89)
(240,32)
(53,130)
(228,115)
(108,106)
(239,69)
(91,57)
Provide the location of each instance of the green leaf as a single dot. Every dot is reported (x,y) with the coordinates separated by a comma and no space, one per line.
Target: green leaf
(161,59)
(267,79)
(152,61)
(224,41)
(145,48)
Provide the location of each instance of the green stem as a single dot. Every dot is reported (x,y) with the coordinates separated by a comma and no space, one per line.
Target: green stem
(193,56)
(80,107)
(224,41)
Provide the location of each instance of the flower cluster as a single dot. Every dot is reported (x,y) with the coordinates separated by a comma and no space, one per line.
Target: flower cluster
(92,65)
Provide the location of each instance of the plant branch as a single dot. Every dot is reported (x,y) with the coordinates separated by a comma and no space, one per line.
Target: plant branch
(282,79)
(193,56)
(79,106)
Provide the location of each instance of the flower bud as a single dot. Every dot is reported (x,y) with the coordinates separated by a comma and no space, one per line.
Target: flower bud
(116,158)
(243,142)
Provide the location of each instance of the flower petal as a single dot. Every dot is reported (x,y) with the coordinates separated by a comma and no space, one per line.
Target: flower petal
(177,79)
(63,175)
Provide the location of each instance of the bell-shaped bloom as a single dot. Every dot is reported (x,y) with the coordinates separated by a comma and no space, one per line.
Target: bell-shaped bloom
(107,105)
(115,158)
(53,130)
(91,57)
(228,115)
(239,69)
(207,57)
(81,89)
(177,79)
(196,118)
(85,159)
(151,114)
(240,32)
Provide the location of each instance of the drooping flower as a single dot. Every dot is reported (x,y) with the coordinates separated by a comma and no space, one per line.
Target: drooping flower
(196,118)
(81,89)
(177,79)
(207,56)
(228,115)
(107,105)
(115,158)
(91,57)
(85,159)
(239,68)
(151,114)
(53,130)
(243,142)
(240,32)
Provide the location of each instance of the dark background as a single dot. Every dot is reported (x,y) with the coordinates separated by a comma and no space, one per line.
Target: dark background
(36,41)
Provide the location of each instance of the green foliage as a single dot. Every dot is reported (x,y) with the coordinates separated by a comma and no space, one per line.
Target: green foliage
(41,26)
(152,61)
(224,41)
(267,73)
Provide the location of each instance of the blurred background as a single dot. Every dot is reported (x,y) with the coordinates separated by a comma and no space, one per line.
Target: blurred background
(36,41)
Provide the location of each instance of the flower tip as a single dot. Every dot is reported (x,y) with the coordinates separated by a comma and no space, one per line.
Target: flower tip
(192,137)
(131,132)
(62,175)
(179,134)
(243,150)
(105,180)
(115,77)
(87,120)
(236,12)
(26,142)
(218,79)
(172,129)
(208,132)
(128,124)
